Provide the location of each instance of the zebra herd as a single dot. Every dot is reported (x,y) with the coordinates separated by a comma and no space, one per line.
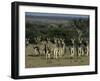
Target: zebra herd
(57,49)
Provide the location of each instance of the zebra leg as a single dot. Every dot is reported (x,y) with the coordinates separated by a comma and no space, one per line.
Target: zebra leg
(49,56)
(82,51)
(72,52)
(46,56)
(59,53)
(54,56)
(87,51)
(79,51)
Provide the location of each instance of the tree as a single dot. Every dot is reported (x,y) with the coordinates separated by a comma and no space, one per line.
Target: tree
(81,26)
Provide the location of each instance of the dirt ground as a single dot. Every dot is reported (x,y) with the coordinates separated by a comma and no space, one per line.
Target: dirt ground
(32,61)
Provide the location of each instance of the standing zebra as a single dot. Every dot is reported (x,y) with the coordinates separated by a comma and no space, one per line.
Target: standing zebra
(80,48)
(86,50)
(61,47)
(72,49)
(49,49)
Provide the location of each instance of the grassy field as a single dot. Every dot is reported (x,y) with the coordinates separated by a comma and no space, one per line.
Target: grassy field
(32,61)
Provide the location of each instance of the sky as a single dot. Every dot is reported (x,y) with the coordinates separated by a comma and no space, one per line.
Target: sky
(34,14)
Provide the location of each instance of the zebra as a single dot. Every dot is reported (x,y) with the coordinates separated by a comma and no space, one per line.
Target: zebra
(55,49)
(48,49)
(86,48)
(36,50)
(80,48)
(61,47)
(72,48)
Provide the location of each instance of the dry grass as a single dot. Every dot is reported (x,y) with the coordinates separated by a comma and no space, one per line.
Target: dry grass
(32,61)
